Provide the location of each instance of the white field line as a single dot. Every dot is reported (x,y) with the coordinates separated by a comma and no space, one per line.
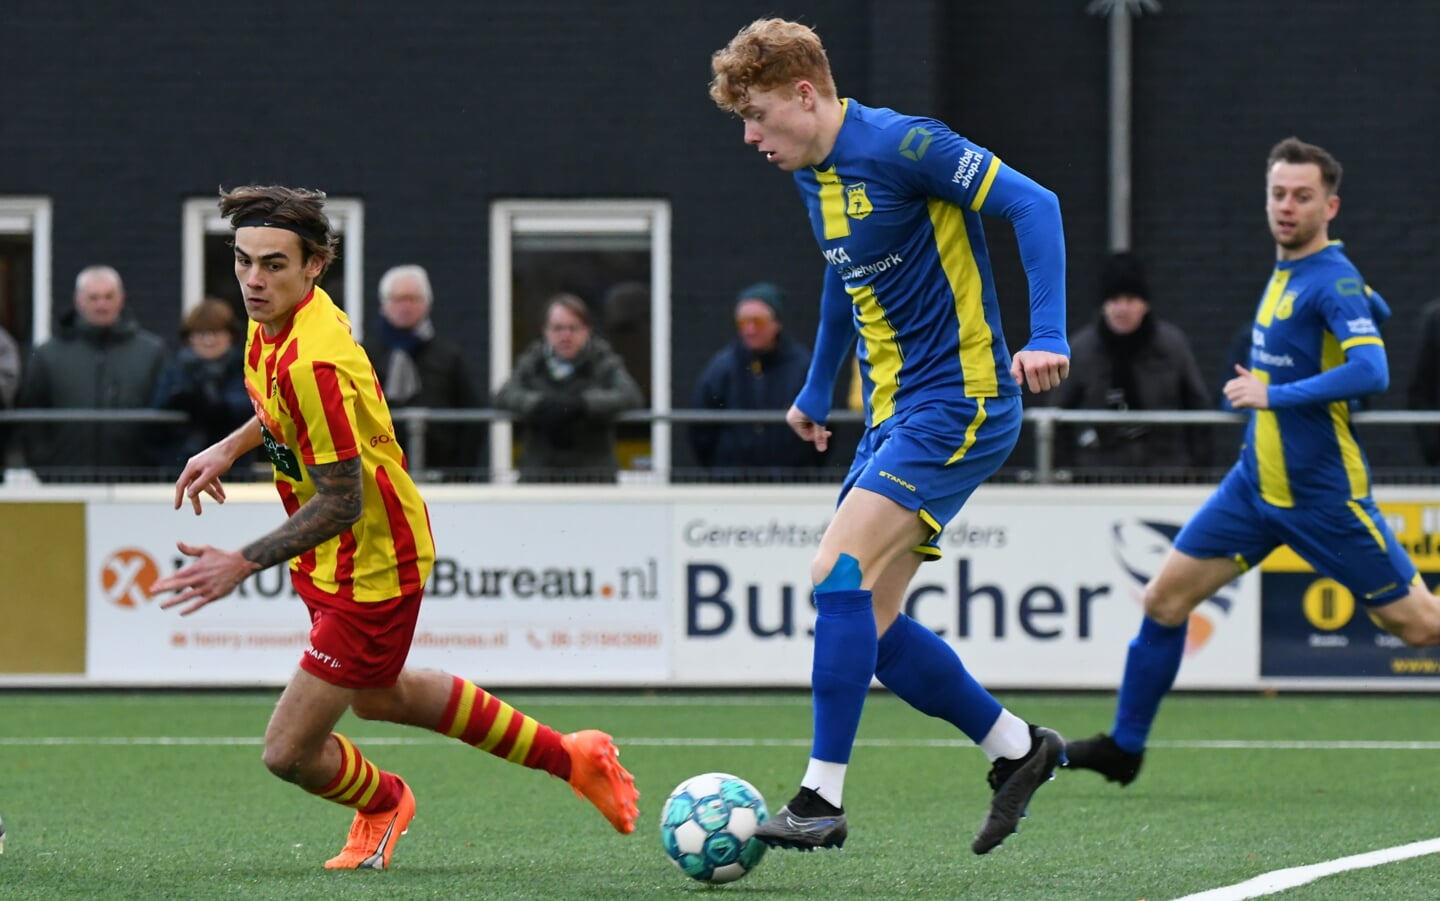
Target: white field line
(1260,886)
(794,699)
(1279,880)
(702,742)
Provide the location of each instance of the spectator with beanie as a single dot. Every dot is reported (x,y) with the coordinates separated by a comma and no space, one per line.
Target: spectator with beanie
(566,391)
(762,368)
(418,368)
(205,381)
(1129,359)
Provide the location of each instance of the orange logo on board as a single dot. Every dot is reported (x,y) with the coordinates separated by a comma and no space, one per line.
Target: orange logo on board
(126,577)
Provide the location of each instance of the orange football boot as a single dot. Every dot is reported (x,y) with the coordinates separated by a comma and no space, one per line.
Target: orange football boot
(373,836)
(597,776)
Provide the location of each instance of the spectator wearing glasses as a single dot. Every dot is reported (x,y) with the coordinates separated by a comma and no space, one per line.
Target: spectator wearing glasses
(761,368)
(566,391)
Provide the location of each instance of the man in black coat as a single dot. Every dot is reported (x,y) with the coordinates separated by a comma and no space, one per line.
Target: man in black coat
(1130,359)
(98,358)
(418,368)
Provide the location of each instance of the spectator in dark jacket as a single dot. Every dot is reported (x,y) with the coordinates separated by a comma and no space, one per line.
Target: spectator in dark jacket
(9,370)
(1423,392)
(1129,359)
(99,358)
(762,368)
(205,381)
(565,392)
(9,383)
(418,368)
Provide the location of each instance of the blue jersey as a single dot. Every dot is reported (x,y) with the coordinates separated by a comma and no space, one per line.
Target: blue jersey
(1315,311)
(896,210)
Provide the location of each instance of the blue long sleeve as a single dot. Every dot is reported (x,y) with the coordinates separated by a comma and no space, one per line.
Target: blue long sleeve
(1365,371)
(834,338)
(1034,213)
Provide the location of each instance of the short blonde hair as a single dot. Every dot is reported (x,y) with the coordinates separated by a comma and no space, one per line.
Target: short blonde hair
(765,55)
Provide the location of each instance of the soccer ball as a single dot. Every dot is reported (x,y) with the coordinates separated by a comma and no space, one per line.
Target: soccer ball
(708,827)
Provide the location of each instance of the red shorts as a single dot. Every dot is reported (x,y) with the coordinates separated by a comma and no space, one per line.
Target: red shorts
(357,644)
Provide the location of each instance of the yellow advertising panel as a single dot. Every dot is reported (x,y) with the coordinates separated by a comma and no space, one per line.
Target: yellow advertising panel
(42,600)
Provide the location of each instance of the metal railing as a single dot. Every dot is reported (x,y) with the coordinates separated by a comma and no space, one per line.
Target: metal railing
(85,414)
(1044,421)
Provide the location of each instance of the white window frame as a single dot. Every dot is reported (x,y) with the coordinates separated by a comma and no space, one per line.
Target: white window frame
(200,216)
(598,217)
(33,216)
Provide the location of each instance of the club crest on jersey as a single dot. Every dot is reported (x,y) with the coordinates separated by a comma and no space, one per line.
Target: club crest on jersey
(857,204)
(1286,305)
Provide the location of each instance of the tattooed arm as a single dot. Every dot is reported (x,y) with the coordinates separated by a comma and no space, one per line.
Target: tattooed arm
(336,506)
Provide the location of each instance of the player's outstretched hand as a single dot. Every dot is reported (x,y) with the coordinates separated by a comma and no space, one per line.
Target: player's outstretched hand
(1246,392)
(213,574)
(202,475)
(808,429)
(1039,370)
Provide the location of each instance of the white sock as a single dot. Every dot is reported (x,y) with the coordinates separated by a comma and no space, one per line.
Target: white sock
(1009,737)
(826,779)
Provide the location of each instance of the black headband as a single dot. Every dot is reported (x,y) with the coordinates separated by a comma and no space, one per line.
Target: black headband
(253,220)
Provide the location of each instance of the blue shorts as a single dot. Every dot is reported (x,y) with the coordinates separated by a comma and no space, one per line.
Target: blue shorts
(931,459)
(1347,541)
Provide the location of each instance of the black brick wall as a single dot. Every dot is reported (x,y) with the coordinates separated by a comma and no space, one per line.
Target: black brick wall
(430,111)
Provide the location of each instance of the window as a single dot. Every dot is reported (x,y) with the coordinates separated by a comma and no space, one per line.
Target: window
(613,254)
(25,306)
(208,261)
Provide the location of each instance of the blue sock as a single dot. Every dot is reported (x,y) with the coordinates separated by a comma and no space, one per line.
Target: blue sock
(841,671)
(1150,668)
(926,673)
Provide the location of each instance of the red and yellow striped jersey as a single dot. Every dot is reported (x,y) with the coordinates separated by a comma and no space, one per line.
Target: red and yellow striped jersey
(318,401)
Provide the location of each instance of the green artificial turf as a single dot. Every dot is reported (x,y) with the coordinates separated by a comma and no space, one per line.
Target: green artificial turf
(162,795)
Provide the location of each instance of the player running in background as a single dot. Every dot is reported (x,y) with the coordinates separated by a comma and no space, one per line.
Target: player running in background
(895,204)
(358,544)
(1301,479)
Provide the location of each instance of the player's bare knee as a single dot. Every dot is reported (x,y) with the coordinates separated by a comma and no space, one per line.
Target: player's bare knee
(1414,619)
(840,573)
(284,762)
(1166,607)
(1423,634)
(1421,638)
(820,568)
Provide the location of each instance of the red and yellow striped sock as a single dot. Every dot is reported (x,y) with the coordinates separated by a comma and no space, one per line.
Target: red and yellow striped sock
(478,718)
(360,784)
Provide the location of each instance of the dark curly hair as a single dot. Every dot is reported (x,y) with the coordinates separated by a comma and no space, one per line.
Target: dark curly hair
(300,210)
